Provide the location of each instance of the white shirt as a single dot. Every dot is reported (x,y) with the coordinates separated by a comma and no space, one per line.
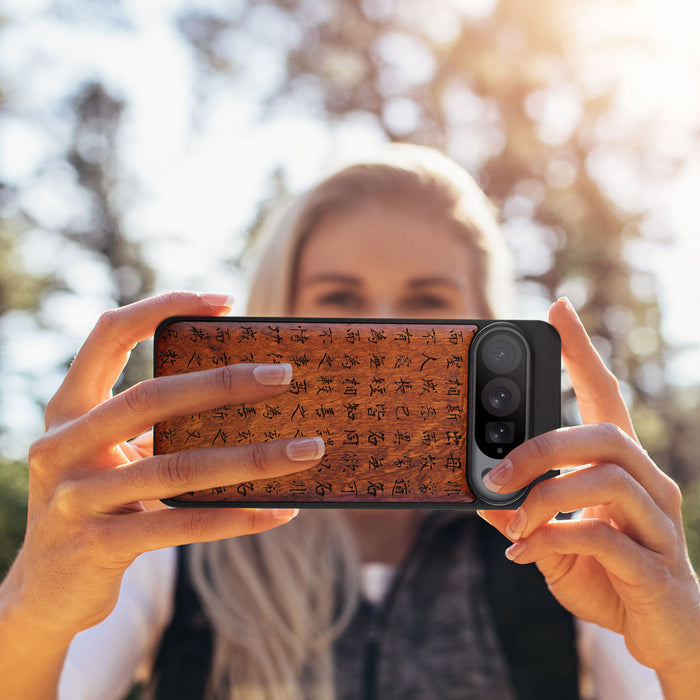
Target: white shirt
(104,661)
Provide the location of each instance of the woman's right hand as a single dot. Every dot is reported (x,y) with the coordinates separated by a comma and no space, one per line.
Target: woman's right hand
(87,514)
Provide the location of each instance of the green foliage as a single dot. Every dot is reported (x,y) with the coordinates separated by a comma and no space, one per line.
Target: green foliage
(14,484)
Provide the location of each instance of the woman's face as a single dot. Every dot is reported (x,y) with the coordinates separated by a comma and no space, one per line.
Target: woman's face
(385,261)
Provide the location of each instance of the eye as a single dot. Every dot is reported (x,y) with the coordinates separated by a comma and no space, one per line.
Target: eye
(341,299)
(427,302)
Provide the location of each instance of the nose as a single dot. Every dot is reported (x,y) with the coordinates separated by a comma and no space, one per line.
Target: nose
(383,308)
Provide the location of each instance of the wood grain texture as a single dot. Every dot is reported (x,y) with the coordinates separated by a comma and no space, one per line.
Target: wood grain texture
(389,399)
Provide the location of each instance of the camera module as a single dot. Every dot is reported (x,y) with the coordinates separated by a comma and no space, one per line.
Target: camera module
(500,396)
(502,353)
(500,432)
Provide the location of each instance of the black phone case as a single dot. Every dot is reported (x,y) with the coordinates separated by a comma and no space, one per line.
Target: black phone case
(390,397)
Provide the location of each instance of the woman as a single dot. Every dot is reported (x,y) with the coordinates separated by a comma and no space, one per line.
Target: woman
(411,236)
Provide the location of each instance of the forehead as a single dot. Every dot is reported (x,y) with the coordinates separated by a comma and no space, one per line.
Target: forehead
(382,238)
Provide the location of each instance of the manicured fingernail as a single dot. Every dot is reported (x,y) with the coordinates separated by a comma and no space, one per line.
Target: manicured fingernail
(517,525)
(515,550)
(569,306)
(285,514)
(218,300)
(304,449)
(273,375)
(498,477)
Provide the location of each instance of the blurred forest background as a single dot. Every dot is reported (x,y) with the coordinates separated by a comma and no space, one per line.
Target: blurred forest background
(580,119)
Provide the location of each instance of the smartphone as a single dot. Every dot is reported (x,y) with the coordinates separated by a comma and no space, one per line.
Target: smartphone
(413,413)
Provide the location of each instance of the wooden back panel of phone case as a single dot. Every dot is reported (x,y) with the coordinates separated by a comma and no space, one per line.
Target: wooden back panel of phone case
(389,400)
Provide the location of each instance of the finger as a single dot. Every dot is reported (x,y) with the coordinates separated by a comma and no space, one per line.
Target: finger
(154,400)
(583,444)
(143,444)
(596,388)
(156,529)
(166,476)
(105,352)
(605,486)
(497,518)
(618,554)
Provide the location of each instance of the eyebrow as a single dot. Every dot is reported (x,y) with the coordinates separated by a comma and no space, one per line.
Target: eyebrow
(351,280)
(433,281)
(333,277)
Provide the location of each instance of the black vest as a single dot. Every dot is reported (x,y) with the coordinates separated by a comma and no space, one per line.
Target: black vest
(534,634)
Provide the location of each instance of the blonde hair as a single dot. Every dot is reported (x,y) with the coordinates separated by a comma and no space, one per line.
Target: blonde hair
(404,175)
(277,600)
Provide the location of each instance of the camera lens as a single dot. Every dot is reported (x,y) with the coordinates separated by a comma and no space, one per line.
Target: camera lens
(502,353)
(500,396)
(499,432)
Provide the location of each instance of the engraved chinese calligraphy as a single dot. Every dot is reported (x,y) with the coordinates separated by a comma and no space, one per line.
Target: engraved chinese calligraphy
(389,399)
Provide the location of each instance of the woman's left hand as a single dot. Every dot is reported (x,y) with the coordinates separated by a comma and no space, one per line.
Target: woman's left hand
(623,564)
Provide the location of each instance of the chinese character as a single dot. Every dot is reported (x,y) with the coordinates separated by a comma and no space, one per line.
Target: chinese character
(351,438)
(352,335)
(453,437)
(327,334)
(427,462)
(402,385)
(323,411)
(350,462)
(429,437)
(401,436)
(376,361)
(325,385)
(375,487)
(300,336)
(400,488)
(377,411)
(374,437)
(300,360)
(195,359)
(196,334)
(453,387)
(453,463)
(402,361)
(221,436)
(428,358)
(375,462)
(454,412)
(223,359)
(247,333)
(325,360)
(429,387)
(376,386)
(273,334)
(375,336)
(454,361)
(323,487)
(245,488)
(350,361)
(223,334)
(193,435)
(297,386)
(403,336)
(428,412)
(245,436)
(271,411)
(167,357)
(300,410)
